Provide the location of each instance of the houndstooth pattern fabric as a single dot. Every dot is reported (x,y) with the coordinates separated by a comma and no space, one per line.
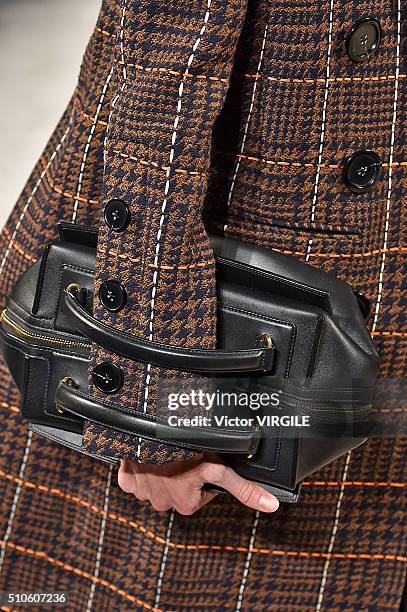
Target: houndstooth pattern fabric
(201,116)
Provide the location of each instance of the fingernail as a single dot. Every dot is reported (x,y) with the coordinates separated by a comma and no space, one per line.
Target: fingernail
(268,503)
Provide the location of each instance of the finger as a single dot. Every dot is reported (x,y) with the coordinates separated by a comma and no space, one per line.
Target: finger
(161,505)
(187,499)
(160,496)
(148,487)
(247,492)
(164,492)
(141,483)
(125,477)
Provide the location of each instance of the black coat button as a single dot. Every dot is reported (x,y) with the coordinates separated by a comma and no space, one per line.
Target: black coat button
(362,170)
(363,39)
(112,295)
(117,215)
(107,377)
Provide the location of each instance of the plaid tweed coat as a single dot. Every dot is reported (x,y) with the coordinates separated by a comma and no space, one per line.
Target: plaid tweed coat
(202,114)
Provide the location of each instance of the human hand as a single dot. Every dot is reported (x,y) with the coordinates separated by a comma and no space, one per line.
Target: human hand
(180,485)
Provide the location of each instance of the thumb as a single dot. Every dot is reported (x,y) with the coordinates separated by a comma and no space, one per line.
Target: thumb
(247,492)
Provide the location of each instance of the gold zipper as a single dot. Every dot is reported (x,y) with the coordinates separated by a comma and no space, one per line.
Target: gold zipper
(46,339)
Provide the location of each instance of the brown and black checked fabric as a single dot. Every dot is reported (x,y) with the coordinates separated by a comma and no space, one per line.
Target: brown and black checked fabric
(162,159)
(65,524)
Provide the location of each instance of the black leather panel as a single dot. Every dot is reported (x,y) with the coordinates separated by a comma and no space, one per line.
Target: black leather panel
(62,256)
(291,277)
(77,234)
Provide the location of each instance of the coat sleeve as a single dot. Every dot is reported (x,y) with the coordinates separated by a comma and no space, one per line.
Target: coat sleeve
(170,77)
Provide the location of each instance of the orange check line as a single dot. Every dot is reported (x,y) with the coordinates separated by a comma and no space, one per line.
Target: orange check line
(60,191)
(10,407)
(353,483)
(160,540)
(177,73)
(390,333)
(321,80)
(391,410)
(278,162)
(40,554)
(78,103)
(343,255)
(138,260)
(105,32)
(17,247)
(306,81)
(153,164)
(285,252)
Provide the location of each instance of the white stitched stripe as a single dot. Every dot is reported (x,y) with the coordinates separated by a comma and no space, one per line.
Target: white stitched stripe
(147,385)
(124,72)
(390,180)
(309,247)
(165,201)
(101,540)
(323,126)
(164,559)
(34,191)
(333,533)
(248,561)
(307,256)
(249,116)
(15,498)
(88,143)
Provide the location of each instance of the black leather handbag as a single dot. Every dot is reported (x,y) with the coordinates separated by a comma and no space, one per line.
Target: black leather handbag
(283,326)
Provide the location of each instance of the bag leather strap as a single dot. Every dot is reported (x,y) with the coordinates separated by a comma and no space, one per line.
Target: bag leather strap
(220,440)
(164,355)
